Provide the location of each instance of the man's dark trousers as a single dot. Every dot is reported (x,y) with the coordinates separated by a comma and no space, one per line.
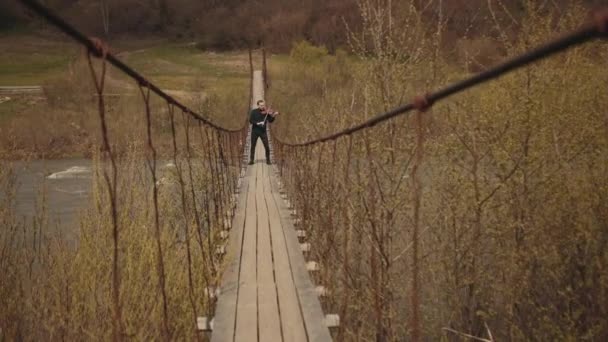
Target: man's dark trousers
(255,134)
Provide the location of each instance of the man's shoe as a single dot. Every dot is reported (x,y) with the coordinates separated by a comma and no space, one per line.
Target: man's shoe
(251,162)
(268,162)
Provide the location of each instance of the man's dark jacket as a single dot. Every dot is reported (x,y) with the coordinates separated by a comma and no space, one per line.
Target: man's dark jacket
(256,116)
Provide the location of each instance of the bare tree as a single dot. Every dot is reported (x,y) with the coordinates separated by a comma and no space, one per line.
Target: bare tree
(105,16)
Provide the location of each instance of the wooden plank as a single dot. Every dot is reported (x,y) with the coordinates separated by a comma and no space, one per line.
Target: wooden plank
(269,322)
(310,306)
(225,312)
(246,314)
(238,306)
(258,88)
(291,317)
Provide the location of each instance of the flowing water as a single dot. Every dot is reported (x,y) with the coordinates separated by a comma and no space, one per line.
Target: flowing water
(65,183)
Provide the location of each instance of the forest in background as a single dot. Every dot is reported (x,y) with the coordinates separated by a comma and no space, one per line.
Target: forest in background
(236,24)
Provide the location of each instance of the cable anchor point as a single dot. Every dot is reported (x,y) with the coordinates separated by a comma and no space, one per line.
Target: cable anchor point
(100,49)
(422,103)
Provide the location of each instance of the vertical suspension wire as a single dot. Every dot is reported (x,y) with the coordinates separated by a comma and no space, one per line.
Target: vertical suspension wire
(111,186)
(222,172)
(331,203)
(279,158)
(317,185)
(195,205)
(234,166)
(371,213)
(250,79)
(224,158)
(306,194)
(265,69)
(187,235)
(210,195)
(229,147)
(346,240)
(227,172)
(289,160)
(151,158)
(417,200)
(296,175)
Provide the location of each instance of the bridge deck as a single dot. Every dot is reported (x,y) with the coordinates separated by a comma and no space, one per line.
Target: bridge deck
(266,292)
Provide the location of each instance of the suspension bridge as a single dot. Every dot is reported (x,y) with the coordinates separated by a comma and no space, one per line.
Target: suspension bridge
(267,290)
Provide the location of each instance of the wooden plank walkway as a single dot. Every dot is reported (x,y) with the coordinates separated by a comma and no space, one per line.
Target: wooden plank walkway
(266,292)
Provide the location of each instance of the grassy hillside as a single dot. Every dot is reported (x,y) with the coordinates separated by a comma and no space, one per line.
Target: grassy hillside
(30,59)
(219,82)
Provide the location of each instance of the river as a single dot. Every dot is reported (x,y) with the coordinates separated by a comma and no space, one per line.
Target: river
(67,184)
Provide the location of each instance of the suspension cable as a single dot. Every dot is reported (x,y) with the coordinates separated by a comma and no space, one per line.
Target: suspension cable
(596,29)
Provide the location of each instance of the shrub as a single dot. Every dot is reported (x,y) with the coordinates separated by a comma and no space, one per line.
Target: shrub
(305,52)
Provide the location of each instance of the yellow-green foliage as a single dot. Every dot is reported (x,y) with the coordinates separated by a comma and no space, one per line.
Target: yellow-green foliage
(304,52)
(512,226)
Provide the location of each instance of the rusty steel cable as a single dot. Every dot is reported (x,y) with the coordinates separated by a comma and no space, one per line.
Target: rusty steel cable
(594,30)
